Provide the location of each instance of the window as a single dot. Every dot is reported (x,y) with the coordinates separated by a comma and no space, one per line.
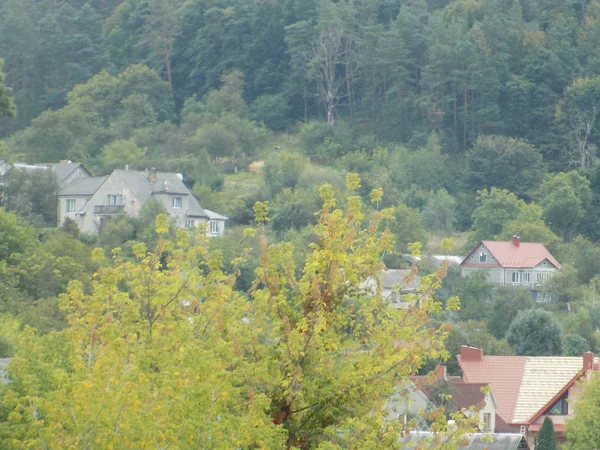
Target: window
(190,224)
(541,277)
(561,407)
(214,226)
(526,277)
(515,277)
(70,205)
(482,257)
(177,202)
(114,199)
(487,422)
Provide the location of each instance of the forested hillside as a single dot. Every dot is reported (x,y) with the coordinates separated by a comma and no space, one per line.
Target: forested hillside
(463,119)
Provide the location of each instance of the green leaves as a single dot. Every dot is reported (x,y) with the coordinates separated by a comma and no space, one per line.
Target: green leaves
(7,107)
(307,359)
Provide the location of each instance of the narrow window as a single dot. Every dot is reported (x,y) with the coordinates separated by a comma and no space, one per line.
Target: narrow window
(526,277)
(214,226)
(190,224)
(487,422)
(177,202)
(482,257)
(70,206)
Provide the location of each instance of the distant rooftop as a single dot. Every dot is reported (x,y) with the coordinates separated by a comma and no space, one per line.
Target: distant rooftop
(474,441)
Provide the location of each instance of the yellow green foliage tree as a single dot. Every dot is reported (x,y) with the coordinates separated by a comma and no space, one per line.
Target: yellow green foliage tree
(162,352)
(583,431)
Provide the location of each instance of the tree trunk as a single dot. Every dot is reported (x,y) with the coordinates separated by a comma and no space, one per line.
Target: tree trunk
(348,78)
(466,104)
(330,109)
(168,46)
(455,114)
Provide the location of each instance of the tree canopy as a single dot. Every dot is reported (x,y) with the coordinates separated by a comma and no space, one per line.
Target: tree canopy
(534,333)
(164,338)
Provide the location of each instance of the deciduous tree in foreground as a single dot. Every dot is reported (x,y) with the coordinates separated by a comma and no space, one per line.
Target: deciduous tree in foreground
(162,352)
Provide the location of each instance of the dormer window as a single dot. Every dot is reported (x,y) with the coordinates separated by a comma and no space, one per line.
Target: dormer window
(482,257)
(177,201)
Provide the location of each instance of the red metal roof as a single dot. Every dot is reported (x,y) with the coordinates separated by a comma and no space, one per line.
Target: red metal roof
(526,255)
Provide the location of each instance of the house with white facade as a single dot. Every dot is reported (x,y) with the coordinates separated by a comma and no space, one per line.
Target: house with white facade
(92,201)
(519,264)
(64,171)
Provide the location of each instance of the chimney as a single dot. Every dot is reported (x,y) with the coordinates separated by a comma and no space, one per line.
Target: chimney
(440,372)
(588,361)
(470,353)
(516,241)
(152,174)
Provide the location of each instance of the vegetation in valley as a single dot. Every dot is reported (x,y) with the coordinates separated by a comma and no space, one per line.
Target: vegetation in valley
(468,120)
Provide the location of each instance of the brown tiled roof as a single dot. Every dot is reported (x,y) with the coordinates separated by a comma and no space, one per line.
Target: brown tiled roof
(504,373)
(468,394)
(527,255)
(465,395)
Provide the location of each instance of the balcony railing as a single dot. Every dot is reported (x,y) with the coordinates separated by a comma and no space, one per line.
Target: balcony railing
(109,210)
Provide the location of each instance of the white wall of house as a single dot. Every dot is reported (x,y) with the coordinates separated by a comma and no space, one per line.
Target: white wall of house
(487,415)
(91,221)
(69,206)
(216,228)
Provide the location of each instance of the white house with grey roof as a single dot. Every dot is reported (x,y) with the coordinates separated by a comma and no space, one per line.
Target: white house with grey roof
(63,171)
(92,201)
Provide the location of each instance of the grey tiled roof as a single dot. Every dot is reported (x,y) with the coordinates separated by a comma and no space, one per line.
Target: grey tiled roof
(214,216)
(475,441)
(85,186)
(393,277)
(62,170)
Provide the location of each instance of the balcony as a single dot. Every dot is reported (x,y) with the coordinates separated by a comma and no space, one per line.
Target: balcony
(109,210)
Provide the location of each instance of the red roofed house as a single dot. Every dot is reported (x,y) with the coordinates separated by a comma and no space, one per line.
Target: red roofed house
(528,388)
(514,263)
(463,396)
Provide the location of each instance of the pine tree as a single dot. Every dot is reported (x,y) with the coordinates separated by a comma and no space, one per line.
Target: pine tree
(547,438)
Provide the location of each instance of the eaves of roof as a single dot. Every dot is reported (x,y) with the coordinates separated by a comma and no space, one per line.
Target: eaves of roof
(558,395)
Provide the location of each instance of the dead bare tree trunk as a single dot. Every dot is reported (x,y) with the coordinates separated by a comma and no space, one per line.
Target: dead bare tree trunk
(582,125)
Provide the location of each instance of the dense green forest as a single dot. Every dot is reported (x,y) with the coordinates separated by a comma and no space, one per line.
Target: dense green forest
(464,119)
